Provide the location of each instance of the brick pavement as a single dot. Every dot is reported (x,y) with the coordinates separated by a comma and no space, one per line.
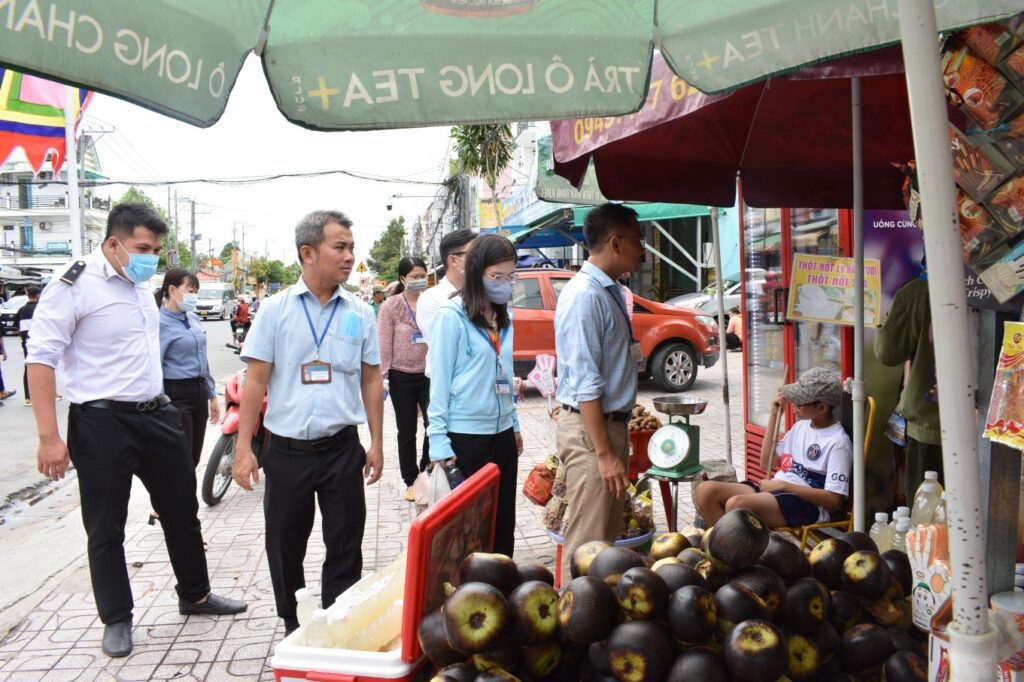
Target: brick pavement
(60,640)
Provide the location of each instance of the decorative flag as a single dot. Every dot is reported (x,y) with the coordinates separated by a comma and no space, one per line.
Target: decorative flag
(32,117)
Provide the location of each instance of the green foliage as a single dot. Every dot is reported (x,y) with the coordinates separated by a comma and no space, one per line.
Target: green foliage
(292,272)
(184,255)
(386,251)
(225,253)
(134,195)
(484,151)
(271,271)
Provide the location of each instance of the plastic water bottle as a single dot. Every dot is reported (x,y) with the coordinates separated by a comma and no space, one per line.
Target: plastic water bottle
(900,511)
(304,606)
(318,633)
(924,505)
(940,517)
(899,538)
(455,475)
(929,477)
(880,532)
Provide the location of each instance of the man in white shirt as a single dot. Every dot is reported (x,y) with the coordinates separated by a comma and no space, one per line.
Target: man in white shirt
(454,248)
(100,319)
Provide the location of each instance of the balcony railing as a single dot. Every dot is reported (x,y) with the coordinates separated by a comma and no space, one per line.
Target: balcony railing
(15,203)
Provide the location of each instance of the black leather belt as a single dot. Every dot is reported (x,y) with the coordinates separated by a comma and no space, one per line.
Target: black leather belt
(317,444)
(126,406)
(623,417)
(185,382)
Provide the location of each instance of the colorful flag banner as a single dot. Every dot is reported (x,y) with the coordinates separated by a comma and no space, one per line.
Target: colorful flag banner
(32,117)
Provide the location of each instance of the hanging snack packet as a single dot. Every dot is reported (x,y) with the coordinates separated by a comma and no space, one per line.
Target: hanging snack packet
(1005,278)
(1007,204)
(977,168)
(991,42)
(1005,420)
(1013,67)
(977,88)
(980,233)
(1010,138)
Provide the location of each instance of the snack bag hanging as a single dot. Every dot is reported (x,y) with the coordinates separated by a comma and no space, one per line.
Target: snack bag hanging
(1005,421)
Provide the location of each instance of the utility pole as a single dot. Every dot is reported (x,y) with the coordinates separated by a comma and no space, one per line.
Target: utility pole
(266,249)
(172,253)
(192,237)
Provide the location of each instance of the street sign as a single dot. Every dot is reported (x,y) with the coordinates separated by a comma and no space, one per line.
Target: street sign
(361,267)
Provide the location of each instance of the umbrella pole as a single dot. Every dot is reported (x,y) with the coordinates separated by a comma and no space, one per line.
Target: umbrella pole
(717,249)
(972,640)
(857,386)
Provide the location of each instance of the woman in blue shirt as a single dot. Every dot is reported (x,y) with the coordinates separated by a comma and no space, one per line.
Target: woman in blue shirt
(183,355)
(472,414)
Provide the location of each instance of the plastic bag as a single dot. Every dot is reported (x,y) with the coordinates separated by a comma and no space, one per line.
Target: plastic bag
(421,488)
(540,481)
(439,486)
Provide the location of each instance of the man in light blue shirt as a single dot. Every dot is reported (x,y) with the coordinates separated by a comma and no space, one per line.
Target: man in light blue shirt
(598,357)
(313,351)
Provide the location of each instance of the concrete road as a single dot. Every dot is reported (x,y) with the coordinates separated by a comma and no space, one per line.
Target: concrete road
(40,522)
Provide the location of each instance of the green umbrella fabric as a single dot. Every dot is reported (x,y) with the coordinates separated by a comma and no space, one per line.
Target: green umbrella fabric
(367,64)
(346,64)
(719,45)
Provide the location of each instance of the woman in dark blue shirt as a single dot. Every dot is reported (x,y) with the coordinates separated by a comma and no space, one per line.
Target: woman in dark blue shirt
(183,355)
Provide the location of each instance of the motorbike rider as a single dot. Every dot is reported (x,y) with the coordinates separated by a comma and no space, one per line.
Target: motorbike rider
(240,320)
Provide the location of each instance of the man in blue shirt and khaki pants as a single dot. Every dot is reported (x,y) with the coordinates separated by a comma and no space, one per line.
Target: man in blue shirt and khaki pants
(315,348)
(598,356)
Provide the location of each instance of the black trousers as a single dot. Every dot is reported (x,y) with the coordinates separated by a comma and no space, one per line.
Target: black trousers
(732,341)
(24,373)
(330,474)
(107,448)
(189,396)
(472,453)
(410,393)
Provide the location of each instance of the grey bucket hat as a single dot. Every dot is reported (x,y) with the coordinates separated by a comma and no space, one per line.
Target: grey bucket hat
(815,385)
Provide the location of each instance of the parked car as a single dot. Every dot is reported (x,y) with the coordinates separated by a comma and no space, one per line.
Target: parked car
(710,307)
(699,298)
(8,314)
(674,342)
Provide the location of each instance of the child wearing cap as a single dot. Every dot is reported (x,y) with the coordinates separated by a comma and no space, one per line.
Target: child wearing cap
(814,460)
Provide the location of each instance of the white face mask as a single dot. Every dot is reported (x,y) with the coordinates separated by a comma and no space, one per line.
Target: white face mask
(416,285)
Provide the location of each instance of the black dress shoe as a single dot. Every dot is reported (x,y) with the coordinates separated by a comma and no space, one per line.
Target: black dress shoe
(290,626)
(117,639)
(213,606)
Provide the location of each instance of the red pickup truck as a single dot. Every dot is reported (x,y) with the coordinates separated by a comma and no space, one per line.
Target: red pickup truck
(674,341)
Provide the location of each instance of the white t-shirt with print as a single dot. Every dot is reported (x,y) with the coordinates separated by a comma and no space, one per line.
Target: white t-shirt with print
(817,458)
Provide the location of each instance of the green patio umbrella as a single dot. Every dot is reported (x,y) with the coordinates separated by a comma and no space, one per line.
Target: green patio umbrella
(370,64)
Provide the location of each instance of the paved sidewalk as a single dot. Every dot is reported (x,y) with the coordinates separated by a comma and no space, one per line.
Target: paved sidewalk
(60,640)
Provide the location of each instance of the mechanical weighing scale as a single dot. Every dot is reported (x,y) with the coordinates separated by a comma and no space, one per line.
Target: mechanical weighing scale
(674,449)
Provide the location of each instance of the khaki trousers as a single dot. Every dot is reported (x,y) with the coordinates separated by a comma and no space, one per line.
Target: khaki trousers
(592,513)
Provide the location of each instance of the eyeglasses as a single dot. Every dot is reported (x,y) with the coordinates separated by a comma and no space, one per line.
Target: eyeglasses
(501,279)
(639,240)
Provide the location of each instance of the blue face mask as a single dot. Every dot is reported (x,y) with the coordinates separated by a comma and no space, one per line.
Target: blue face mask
(497,292)
(140,267)
(188,302)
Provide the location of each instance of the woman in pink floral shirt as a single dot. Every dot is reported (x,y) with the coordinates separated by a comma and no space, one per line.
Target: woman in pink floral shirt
(403,353)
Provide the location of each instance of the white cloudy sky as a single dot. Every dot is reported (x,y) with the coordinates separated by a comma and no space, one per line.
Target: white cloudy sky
(253,139)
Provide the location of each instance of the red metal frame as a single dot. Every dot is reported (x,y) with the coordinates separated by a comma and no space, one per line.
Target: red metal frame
(753,435)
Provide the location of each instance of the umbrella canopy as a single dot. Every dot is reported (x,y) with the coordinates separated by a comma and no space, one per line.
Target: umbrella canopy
(353,64)
(789,139)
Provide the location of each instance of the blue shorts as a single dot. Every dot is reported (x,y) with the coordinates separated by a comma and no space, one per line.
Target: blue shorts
(796,510)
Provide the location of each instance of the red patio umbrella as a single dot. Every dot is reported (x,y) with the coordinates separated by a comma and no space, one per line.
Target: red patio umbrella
(788,138)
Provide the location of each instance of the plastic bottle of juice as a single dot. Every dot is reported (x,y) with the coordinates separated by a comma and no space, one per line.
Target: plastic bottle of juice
(880,532)
(940,510)
(929,477)
(318,633)
(304,606)
(925,503)
(899,538)
(900,511)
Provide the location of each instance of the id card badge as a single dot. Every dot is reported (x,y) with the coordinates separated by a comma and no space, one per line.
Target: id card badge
(635,354)
(316,372)
(502,387)
(417,337)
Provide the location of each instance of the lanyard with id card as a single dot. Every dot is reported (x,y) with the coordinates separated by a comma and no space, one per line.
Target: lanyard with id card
(417,335)
(317,371)
(502,386)
(636,355)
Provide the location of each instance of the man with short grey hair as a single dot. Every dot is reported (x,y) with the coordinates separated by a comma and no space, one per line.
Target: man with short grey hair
(315,348)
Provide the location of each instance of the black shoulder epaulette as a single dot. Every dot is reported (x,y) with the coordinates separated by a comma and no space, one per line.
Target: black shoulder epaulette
(74,272)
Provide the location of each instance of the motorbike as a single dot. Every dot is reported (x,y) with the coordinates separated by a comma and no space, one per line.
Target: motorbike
(217,478)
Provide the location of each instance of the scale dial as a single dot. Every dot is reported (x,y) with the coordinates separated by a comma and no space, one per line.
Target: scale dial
(668,447)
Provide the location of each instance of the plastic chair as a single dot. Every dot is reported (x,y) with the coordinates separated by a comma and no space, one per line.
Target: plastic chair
(815,530)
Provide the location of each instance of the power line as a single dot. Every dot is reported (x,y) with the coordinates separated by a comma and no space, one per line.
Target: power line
(241,181)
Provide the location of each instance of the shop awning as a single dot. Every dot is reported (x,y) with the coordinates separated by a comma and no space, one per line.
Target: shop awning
(554,229)
(648,212)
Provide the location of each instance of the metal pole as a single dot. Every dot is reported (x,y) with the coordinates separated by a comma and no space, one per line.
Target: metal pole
(973,641)
(859,397)
(192,237)
(71,172)
(724,361)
